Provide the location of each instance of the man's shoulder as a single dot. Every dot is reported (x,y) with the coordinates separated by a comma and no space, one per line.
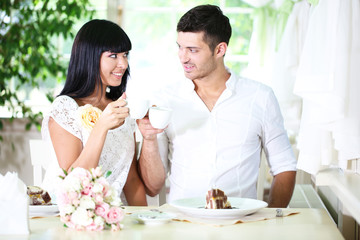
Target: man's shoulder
(247,84)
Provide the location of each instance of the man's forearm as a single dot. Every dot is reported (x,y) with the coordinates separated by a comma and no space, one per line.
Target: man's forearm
(282,189)
(151,167)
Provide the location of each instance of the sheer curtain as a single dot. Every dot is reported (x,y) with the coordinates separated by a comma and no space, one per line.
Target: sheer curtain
(328,80)
(275,50)
(313,72)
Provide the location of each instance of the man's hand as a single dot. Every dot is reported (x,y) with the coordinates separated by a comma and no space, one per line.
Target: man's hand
(147,131)
(151,168)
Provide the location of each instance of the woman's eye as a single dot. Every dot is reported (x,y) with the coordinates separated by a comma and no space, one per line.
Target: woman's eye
(113,55)
(126,54)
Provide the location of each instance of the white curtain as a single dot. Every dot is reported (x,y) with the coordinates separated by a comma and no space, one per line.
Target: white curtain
(315,77)
(275,62)
(328,80)
(285,65)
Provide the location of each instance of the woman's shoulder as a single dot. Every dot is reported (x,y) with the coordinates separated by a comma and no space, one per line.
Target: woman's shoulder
(65,102)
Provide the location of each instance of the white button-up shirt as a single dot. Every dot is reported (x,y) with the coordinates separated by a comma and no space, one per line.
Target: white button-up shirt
(222,148)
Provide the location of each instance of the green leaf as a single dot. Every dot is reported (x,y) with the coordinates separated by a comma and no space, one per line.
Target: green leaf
(108,173)
(65,172)
(29,51)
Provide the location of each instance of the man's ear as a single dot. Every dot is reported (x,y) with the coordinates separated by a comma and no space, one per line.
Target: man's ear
(220,49)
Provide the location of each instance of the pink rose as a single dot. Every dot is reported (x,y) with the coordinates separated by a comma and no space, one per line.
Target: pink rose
(102,209)
(86,190)
(104,183)
(96,172)
(63,199)
(94,227)
(72,196)
(80,173)
(99,198)
(115,226)
(86,183)
(67,220)
(114,215)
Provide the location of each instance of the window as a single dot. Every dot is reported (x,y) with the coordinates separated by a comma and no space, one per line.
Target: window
(151,26)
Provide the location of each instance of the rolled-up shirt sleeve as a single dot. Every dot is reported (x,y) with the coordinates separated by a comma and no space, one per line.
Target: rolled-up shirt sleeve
(277,147)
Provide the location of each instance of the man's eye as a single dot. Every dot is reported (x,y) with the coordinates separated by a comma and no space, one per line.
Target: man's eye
(193,50)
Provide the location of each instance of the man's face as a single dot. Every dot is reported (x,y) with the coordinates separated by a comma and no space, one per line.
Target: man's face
(197,59)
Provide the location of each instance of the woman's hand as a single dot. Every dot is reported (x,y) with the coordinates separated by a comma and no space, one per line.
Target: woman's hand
(114,114)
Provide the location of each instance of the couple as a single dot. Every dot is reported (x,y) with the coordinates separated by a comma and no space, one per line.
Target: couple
(220,122)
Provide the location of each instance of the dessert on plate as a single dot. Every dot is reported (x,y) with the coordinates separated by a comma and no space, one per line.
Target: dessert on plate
(217,199)
(38,196)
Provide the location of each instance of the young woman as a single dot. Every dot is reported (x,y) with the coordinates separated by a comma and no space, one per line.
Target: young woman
(96,80)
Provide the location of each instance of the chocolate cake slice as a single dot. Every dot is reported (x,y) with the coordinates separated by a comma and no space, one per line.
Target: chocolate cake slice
(38,196)
(216,199)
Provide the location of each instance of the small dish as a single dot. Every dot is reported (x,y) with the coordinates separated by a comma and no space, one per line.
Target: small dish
(153,217)
(43,209)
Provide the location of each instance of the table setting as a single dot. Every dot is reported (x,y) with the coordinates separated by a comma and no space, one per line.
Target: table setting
(179,219)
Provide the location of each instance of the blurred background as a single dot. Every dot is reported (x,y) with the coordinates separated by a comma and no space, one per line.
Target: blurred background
(306,50)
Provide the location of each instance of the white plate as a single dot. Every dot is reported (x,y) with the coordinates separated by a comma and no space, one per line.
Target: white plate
(153,217)
(240,207)
(35,209)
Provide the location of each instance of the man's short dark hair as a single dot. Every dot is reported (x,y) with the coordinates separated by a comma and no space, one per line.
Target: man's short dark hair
(208,19)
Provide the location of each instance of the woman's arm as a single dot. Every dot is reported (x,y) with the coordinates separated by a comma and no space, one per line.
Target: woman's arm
(69,149)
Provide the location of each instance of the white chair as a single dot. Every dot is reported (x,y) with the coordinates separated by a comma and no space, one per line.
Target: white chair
(261,177)
(40,155)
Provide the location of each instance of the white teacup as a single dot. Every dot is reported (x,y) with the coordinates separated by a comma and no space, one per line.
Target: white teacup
(160,117)
(138,107)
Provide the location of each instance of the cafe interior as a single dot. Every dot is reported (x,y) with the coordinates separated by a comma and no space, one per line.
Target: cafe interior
(307,51)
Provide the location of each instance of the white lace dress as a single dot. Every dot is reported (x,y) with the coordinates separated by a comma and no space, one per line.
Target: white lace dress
(117,153)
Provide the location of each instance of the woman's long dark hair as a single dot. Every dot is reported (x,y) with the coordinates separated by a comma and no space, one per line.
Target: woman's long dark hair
(94,38)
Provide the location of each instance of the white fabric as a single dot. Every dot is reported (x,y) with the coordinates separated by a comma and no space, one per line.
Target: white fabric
(328,81)
(286,63)
(222,148)
(14,205)
(117,153)
(262,47)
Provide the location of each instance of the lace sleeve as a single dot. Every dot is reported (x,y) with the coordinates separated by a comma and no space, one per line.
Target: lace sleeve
(64,112)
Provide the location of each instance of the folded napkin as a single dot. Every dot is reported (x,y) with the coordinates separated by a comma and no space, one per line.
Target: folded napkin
(14,204)
(262,214)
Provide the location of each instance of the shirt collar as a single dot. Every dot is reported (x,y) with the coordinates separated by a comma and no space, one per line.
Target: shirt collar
(188,86)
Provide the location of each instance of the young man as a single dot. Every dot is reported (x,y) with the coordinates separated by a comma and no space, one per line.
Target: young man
(220,123)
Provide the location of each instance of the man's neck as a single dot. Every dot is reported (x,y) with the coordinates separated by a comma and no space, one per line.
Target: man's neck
(211,87)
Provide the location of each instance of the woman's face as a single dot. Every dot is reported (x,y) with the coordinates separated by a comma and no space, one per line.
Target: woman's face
(113,67)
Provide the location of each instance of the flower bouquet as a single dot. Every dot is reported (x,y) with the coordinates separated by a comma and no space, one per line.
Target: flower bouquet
(87,202)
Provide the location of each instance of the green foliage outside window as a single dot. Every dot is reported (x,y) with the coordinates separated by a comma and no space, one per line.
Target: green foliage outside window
(28,52)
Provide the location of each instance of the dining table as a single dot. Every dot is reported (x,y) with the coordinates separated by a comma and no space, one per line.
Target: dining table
(300,223)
